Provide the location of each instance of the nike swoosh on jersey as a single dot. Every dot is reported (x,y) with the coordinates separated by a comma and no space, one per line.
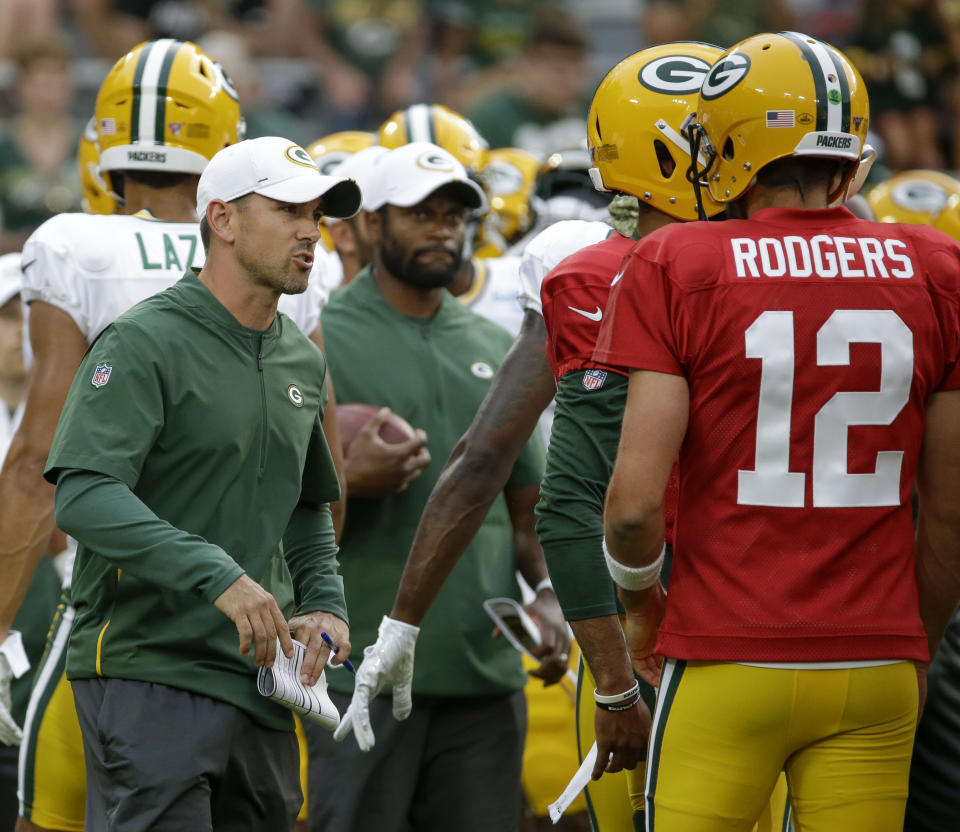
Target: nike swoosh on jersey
(593,316)
(616,279)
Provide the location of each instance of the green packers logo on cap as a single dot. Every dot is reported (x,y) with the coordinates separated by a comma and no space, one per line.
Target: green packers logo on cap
(299,156)
(295,395)
(431,160)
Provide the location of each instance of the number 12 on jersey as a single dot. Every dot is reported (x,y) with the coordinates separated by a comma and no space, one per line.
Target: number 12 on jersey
(771,483)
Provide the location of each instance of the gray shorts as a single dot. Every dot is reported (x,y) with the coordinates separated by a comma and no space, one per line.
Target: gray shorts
(160,758)
(454,764)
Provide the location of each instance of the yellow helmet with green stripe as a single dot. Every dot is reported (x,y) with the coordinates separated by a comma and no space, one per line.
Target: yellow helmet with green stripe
(165,106)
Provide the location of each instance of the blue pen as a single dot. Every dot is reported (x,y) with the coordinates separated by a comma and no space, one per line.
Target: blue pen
(333,651)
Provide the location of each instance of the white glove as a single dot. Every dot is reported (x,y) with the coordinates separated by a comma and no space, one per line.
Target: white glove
(13,664)
(389,660)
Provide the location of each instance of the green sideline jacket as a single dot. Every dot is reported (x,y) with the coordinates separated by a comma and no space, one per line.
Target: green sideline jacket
(215,431)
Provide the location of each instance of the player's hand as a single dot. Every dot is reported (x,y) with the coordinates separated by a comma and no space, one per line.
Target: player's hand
(258,620)
(389,660)
(375,468)
(622,738)
(10,733)
(13,664)
(644,612)
(306,629)
(554,649)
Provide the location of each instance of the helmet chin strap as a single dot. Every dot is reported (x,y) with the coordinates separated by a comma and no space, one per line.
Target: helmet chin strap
(696,136)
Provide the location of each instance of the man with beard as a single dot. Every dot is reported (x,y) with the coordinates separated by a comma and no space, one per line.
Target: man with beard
(396,337)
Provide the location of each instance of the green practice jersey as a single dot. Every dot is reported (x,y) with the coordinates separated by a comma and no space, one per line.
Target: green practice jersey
(217,430)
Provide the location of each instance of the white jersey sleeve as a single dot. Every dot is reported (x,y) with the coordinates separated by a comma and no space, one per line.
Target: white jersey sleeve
(96,267)
(547,249)
(494,293)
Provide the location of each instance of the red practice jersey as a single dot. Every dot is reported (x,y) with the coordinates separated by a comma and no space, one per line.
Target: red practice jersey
(574,296)
(810,341)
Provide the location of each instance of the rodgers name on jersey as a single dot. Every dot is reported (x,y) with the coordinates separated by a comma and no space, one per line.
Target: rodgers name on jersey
(821,256)
(96,267)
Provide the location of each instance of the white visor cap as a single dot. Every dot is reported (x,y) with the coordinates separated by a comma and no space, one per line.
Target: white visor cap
(277,168)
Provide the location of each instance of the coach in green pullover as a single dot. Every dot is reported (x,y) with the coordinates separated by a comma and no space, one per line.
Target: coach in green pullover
(191,465)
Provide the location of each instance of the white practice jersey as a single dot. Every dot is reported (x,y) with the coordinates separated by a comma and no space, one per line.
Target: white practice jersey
(494,292)
(545,251)
(96,267)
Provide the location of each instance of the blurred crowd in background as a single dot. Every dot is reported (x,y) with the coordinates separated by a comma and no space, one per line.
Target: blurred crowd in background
(522,70)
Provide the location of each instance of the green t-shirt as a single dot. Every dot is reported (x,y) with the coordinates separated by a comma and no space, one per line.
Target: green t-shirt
(217,429)
(434,373)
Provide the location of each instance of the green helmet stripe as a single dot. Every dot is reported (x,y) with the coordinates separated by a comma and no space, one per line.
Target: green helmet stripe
(162,82)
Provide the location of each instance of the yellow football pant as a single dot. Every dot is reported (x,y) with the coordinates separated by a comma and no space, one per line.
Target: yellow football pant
(616,801)
(723,733)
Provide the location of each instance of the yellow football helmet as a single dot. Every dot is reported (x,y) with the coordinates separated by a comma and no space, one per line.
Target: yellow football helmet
(509,176)
(97,198)
(440,125)
(915,196)
(331,150)
(949,220)
(635,123)
(165,106)
(778,95)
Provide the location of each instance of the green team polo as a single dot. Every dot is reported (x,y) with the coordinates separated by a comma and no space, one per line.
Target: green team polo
(434,373)
(217,429)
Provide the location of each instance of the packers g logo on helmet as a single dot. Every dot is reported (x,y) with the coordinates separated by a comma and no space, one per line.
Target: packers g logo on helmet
(674,74)
(724,76)
(634,129)
(914,196)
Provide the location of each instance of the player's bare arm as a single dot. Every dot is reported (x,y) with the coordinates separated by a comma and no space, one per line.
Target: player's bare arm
(654,424)
(554,650)
(26,499)
(621,735)
(477,470)
(938,533)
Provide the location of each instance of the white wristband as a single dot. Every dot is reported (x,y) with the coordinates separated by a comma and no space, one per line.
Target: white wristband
(616,698)
(12,650)
(546,583)
(630,577)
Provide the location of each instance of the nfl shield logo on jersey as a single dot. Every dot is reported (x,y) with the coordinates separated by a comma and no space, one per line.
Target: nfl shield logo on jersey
(593,379)
(101,375)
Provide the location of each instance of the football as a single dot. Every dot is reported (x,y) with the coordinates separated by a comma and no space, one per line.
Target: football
(352,417)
